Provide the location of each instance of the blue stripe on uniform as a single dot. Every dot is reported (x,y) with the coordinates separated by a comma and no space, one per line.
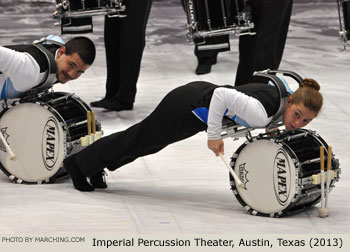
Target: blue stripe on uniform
(8,91)
(3,91)
(202,114)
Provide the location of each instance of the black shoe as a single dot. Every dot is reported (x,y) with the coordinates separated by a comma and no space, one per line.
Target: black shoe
(98,180)
(203,69)
(204,66)
(97,104)
(78,179)
(116,106)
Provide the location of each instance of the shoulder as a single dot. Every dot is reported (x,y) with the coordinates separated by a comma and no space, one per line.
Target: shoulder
(36,53)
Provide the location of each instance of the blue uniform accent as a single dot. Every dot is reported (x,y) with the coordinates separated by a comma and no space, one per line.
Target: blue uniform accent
(3,91)
(54,38)
(8,91)
(202,114)
(285,84)
(240,121)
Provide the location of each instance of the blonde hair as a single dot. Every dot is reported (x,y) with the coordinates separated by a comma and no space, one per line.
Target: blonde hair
(308,94)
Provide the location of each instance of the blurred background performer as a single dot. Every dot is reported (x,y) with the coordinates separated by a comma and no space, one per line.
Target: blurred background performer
(124,43)
(207,50)
(263,50)
(257,52)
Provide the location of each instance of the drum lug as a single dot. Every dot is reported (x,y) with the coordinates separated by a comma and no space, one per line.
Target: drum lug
(70,146)
(64,126)
(294,198)
(234,192)
(4,105)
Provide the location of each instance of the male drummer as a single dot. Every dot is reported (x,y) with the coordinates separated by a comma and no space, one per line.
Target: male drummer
(43,63)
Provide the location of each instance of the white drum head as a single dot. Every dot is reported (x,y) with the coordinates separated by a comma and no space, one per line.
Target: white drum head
(37,138)
(268,174)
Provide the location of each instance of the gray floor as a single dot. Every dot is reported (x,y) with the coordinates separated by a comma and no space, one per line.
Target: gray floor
(184,188)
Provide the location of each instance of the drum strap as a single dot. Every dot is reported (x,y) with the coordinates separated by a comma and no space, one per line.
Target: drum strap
(283,93)
(52,68)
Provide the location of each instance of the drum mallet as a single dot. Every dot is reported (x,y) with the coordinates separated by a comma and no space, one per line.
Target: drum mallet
(93,122)
(234,175)
(12,155)
(95,134)
(322,211)
(88,116)
(93,126)
(86,140)
(328,178)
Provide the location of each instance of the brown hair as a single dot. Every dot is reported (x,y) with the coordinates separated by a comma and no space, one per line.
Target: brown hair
(308,94)
(84,47)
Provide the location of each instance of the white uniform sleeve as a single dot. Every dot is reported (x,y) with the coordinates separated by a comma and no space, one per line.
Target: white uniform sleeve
(237,103)
(21,68)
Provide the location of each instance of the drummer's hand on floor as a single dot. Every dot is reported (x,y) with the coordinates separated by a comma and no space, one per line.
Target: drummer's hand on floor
(217,146)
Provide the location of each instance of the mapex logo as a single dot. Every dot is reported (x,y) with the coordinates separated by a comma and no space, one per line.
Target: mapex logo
(282,181)
(50,143)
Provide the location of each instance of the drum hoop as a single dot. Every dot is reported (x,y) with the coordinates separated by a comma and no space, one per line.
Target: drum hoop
(4,111)
(103,10)
(297,163)
(61,122)
(234,187)
(17,180)
(194,30)
(65,132)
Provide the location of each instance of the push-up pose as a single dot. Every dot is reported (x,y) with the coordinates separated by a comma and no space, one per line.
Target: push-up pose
(189,109)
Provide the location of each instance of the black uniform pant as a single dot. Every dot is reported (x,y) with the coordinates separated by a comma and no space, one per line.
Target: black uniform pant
(265,49)
(171,121)
(125,42)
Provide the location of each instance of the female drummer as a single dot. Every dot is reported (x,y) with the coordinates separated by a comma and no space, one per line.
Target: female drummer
(184,112)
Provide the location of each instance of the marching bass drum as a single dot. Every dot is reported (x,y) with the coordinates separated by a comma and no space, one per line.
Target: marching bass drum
(82,8)
(42,131)
(206,18)
(277,172)
(76,15)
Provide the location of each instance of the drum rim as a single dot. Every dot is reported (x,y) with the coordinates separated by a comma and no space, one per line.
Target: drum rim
(65,11)
(195,32)
(62,123)
(65,132)
(296,161)
(234,188)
